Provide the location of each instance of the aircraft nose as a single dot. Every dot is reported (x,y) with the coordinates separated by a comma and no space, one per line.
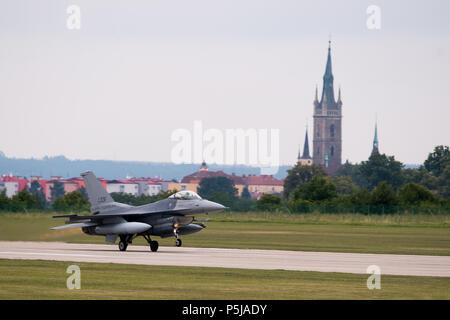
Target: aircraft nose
(211,206)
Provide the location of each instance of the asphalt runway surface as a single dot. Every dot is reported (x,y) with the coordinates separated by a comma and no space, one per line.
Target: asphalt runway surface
(412,265)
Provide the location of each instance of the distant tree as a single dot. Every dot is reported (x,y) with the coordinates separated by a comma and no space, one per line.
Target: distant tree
(414,194)
(245,193)
(444,182)
(268,202)
(242,205)
(214,185)
(344,184)
(5,202)
(360,197)
(438,160)
(84,193)
(225,199)
(380,168)
(73,201)
(300,175)
(319,189)
(383,195)
(353,171)
(419,176)
(56,191)
(346,169)
(37,190)
(24,200)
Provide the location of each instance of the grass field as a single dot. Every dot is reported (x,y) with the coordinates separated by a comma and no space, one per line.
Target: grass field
(396,234)
(21,279)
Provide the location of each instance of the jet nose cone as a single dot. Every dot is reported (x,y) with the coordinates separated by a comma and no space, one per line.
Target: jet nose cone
(211,206)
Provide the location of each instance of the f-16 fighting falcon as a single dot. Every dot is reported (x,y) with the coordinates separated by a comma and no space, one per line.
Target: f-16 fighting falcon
(173,216)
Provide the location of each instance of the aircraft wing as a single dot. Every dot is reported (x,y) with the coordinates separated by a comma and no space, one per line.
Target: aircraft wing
(98,217)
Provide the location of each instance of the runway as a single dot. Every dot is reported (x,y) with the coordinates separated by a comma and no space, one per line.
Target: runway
(412,265)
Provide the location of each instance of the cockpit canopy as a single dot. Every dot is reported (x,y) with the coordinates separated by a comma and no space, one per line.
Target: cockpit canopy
(185,195)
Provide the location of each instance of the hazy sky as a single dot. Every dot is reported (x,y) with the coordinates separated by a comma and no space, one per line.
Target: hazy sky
(137,70)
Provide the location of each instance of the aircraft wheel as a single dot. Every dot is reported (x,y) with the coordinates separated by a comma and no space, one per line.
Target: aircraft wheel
(154,246)
(123,246)
(178,242)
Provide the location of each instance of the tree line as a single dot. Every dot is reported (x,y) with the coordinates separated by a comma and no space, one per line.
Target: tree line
(379,185)
(33,199)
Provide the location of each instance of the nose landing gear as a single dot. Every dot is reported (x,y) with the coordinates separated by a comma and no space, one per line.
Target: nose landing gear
(178,241)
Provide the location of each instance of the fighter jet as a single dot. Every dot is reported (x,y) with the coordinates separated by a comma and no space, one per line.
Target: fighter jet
(173,216)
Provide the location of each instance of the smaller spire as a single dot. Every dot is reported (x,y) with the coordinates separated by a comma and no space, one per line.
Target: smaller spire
(316,98)
(306,146)
(339,94)
(375,140)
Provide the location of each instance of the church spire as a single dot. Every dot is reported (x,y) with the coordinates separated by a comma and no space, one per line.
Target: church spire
(328,90)
(375,141)
(306,147)
(328,73)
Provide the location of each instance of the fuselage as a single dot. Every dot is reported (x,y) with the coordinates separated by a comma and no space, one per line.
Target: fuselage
(173,216)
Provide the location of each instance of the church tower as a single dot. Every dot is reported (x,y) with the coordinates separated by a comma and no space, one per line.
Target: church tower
(327,138)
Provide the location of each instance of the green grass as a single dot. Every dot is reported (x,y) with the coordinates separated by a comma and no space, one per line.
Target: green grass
(35,279)
(395,234)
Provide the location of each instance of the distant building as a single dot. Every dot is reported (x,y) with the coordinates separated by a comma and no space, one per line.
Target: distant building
(123,186)
(147,186)
(167,185)
(68,185)
(264,184)
(13,184)
(255,184)
(191,182)
(327,138)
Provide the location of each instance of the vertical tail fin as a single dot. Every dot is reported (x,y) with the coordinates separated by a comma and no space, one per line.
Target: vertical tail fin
(96,192)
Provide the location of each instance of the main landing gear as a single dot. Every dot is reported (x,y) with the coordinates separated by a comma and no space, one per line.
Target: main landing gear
(123,245)
(124,241)
(154,245)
